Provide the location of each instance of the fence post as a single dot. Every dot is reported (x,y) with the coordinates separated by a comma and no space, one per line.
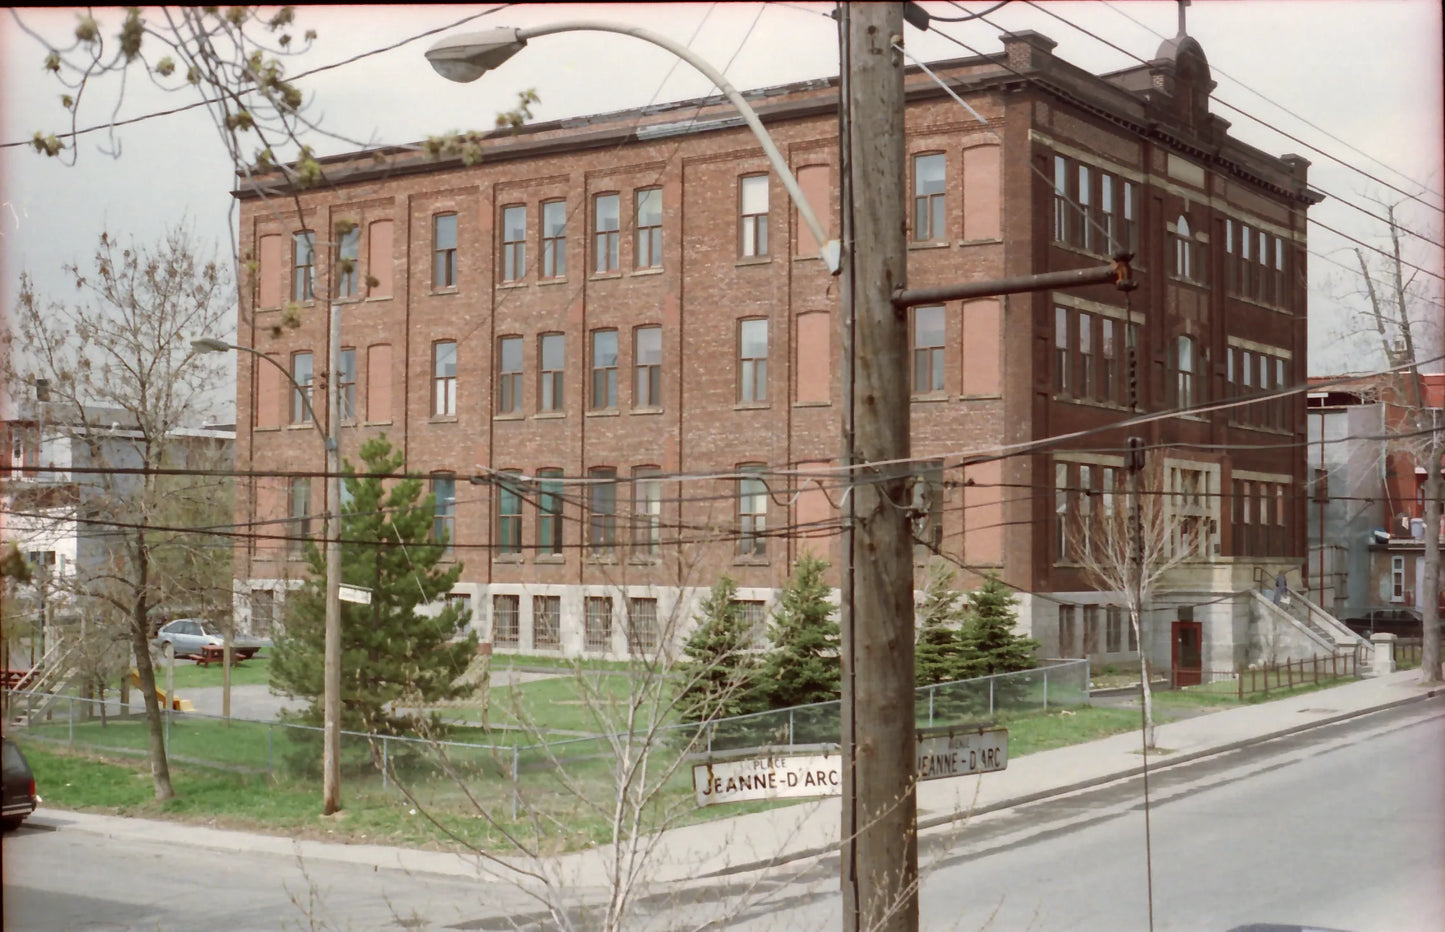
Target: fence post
(1046,688)
(270,754)
(990,697)
(931,691)
(384,746)
(1239,682)
(71,704)
(790,727)
(516,800)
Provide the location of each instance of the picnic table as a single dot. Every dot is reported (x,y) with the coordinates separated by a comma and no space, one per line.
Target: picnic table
(210,654)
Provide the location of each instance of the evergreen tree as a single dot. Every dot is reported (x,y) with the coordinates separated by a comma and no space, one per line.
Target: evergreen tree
(989,643)
(939,653)
(390,652)
(803,664)
(719,671)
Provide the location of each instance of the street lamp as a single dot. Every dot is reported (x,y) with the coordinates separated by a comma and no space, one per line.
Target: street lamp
(331,531)
(468,56)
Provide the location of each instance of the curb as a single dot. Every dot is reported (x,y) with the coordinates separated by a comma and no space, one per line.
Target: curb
(1172,761)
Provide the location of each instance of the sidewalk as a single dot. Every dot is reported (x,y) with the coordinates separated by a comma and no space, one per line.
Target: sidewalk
(761,840)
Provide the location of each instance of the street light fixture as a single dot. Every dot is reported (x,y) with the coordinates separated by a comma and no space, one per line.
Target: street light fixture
(468,56)
(331,531)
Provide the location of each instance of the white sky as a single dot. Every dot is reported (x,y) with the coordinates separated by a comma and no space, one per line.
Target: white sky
(1368,73)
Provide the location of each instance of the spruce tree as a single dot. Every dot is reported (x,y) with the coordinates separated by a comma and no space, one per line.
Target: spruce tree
(390,652)
(802,666)
(939,653)
(719,671)
(989,643)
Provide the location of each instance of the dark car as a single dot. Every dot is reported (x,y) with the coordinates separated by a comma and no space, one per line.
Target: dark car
(1399,621)
(20,798)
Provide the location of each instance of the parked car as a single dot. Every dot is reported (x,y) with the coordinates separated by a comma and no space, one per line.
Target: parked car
(1396,620)
(20,798)
(188,635)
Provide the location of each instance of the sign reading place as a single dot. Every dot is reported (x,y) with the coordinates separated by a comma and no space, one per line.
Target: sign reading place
(942,753)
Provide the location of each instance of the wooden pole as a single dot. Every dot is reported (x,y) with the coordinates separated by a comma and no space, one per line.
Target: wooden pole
(879,824)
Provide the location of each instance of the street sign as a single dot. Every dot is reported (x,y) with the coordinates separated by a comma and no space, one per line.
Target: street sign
(958,752)
(792,776)
(355,594)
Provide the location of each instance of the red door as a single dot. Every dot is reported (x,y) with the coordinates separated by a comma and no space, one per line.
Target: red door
(1187,656)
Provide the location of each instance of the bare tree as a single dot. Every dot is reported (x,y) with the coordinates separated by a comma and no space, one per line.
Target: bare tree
(126,390)
(1125,542)
(1403,308)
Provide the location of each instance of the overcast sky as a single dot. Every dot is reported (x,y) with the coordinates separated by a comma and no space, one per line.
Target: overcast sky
(1366,73)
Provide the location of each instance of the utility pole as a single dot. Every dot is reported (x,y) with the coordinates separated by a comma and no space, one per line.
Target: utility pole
(879,830)
(331,685)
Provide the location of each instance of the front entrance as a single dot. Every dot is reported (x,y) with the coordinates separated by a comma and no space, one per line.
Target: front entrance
(1187,656)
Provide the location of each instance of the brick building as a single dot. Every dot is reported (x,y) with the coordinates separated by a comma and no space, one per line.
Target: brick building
(625,311)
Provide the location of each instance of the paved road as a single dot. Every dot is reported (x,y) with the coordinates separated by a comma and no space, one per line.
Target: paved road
(1341,827)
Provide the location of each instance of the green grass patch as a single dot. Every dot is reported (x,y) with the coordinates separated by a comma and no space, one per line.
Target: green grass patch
(191,675)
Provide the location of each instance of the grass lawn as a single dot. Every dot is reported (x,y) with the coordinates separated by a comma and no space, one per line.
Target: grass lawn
(112,774)
(191,675)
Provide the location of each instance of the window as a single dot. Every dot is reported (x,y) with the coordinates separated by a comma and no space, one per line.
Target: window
(1397,579)
(928,324)
(753,220)
(1089,237)
(1085,370)
(648,251)
(547,622)
(1184,365)
(444,519)
(509,514)
(602,511)
(348,269)
(1062,383)
(647,358)
(1183,253)
(597,634)
(303,253)
(642,625)
(505,622)
(553,353)
(1091,629)
(554,239)
(549,512)
(1113,629)
(928,197)
(1131,218)
(509,375)
(347,385)
(1068,631)
(298,509)
(753,361)
(604,369)
(606,217)
(1061,511)
(646,512)
(1107,213)
(755,618)
(1108,361)
(1062,207)
(752,512)
(301,398)
(514,243)
(444,251)
(1191,504)
(444,379)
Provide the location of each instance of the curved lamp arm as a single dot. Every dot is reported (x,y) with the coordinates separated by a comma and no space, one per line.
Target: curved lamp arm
(468,56)
(212,345)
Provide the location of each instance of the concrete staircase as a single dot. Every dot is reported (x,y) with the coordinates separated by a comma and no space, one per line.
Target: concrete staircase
(1325,628)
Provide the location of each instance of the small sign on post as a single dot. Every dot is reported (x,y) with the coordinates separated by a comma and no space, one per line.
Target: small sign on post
(957,752)
(357,594)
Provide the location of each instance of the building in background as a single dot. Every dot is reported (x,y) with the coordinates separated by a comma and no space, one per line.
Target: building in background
(617,329)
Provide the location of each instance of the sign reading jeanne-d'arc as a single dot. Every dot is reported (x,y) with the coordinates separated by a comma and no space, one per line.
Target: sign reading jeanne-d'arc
(957,752)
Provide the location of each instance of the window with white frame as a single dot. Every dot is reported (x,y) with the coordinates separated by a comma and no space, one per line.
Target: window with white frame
(753,216)
(509,375)
(648,251)
(552,351)
(554,239)
(1397,579)
(1193,498)
(514,242)
(929,186)
(752,512)
(444,379)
